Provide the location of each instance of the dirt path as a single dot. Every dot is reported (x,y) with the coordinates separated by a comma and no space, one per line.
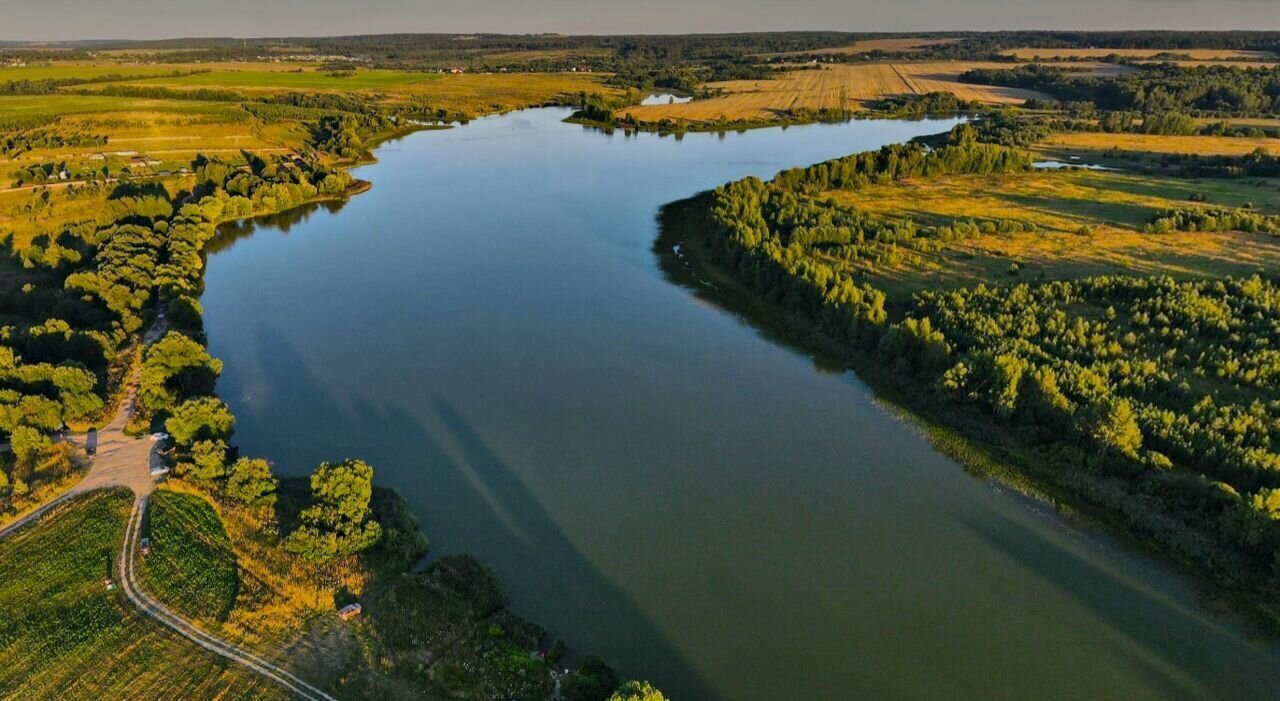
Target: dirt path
(149,606)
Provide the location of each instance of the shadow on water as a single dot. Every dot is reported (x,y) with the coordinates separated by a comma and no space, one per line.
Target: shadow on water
(231,232)
(1151,620)
(476,486)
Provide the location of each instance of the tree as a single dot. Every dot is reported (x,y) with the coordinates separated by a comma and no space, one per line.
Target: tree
(593,680)
(1117,428)
(175,367)
(203,418)
(339,522)
(28,444)
(344,488)
(208,461)
(1267,501)
(637,691)
(251,482)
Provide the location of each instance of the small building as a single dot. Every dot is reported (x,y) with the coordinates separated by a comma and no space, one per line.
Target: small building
(350,611)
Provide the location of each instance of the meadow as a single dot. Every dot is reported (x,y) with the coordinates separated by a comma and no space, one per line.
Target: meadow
(64,634)
(1160,143)
(1086,223)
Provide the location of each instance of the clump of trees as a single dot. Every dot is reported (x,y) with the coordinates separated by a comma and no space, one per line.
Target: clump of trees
(1213,219)
(339,522)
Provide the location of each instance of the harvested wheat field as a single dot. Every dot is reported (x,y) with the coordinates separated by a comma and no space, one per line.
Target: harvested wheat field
(1156,143)
(831,87)
(1198,54)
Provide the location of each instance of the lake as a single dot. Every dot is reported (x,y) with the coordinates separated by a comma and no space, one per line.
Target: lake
(654,480)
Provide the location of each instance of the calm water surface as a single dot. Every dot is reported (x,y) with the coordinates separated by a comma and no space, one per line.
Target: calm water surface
(653,479)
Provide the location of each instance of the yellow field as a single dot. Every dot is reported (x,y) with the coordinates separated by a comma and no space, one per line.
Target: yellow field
(1201,54)
(1115,206)
(832,87)
(1153,143)
(481,93)
(895,44)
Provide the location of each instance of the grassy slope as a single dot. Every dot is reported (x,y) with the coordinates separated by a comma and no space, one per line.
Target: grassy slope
(63,635)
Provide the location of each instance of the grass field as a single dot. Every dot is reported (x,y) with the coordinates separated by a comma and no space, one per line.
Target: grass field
(1115,207)
(254,78)
(833,87)
(1199,54)
(192,567)
(63,634)
(1155,143)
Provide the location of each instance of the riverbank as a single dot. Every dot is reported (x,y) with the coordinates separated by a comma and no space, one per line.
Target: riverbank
(985,450)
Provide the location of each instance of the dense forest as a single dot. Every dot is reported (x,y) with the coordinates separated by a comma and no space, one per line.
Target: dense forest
(1209,90)
(657,58)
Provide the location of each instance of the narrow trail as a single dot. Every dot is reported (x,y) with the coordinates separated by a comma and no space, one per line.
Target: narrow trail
(149,606)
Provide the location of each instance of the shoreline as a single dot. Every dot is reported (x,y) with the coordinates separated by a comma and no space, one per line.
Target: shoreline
(1004,463)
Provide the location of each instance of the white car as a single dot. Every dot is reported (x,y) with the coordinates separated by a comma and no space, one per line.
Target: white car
(159,436)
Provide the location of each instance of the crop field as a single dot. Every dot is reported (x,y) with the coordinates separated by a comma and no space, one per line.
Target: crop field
(1113,206)
(1157,143)
(63,634)
(481,93)
(192,566)
(837,86)
(1198,54)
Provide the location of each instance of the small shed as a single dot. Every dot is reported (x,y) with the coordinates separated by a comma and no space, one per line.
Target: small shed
(350,611)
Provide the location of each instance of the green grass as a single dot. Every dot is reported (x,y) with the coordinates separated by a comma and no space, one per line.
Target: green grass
(303,79)
(64,635)
(1113,206)
(62,71)
(17,106)
(192,567)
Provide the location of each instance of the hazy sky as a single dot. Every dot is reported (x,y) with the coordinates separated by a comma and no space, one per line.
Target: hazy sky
(141,19)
